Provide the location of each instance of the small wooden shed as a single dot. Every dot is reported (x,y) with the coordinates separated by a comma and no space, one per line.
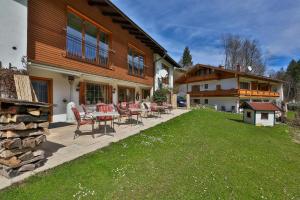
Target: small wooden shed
(259,114)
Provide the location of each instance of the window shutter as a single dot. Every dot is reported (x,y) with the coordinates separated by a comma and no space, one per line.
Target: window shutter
(82,93)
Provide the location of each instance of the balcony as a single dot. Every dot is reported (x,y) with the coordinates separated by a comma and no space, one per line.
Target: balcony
(258,93)
(214,93)
(232,93)
(86,52)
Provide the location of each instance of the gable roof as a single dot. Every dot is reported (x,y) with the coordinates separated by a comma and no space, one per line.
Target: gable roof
(259,106)
(110,10)
(235,72)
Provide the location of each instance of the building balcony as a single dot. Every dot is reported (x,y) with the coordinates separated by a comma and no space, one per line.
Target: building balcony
(86,51)
(233,93)
(258,93)
(214,93)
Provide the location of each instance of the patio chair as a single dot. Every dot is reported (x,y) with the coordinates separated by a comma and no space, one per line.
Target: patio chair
(105,108)
(87,114)
(155,109)
(136,113)
(81,122)
(123,105)
(146,107)
(168,107)
(123,112)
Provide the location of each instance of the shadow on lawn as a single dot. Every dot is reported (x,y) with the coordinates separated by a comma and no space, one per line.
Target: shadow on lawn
(237,120)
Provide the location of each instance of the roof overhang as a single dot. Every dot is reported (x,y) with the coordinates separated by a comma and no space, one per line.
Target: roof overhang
(107,8)
(242,74)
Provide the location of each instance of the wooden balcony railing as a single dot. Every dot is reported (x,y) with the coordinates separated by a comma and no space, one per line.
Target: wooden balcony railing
(233,92)
(214,93)
(87,52)
(245,92)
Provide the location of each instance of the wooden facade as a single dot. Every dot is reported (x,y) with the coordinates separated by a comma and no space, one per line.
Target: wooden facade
(47,23)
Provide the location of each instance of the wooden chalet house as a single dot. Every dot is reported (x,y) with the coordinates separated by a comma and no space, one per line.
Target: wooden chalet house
(88,52)
(227,89)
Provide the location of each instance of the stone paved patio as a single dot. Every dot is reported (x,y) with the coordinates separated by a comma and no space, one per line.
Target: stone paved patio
(61,147)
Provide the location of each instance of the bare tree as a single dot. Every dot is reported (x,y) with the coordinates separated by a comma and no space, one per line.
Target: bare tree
(243,52)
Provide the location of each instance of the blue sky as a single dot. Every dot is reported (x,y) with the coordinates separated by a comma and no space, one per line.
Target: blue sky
(201,25)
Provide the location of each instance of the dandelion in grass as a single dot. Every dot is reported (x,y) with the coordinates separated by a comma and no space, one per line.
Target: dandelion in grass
(83,193)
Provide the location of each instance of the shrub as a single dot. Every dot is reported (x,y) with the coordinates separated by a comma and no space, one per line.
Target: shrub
(294,106)
(160,96)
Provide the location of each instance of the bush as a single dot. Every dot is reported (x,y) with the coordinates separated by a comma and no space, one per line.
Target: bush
(160,96)
(294,106)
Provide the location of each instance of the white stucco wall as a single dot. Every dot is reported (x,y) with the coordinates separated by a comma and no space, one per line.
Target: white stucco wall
(13,23)
(158,66)
(182,90)
(61,88)
(227,102)
(264,122)
(226,84)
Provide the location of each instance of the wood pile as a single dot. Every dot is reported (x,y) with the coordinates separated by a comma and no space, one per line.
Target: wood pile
(23,128)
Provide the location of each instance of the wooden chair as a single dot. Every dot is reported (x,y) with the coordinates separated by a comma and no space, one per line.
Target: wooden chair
(81,122)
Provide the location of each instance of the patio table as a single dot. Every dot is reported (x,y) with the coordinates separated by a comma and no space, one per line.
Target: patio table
(105,114)
(138,110)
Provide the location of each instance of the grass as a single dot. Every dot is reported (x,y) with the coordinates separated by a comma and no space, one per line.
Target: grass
(291,115)
(199,155)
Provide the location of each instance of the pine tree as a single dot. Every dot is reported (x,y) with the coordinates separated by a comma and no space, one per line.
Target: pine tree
(186,60)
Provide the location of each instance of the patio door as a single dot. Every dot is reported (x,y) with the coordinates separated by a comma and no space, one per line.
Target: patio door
(43,90)
(126,94)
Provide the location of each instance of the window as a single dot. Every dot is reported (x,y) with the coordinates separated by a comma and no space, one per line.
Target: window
(244,85)
(205,101)
(197,101)
(206,86)
(126,94)
(145,94)
(195,88)
(264,116)
(248,114)
(96,93)
(136,63)
(86,41)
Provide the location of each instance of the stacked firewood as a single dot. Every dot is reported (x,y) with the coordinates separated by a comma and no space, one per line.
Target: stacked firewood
(23,128)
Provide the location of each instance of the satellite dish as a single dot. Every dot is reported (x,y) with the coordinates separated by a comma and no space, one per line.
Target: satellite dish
(162,73)
(249,68)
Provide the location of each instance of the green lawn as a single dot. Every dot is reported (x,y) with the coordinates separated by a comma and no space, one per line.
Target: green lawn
(199,155)
(291,115)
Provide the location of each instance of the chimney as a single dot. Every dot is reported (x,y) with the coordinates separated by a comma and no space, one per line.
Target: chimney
(238,68)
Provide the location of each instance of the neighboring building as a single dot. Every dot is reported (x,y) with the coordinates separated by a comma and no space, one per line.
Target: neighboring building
(88,52)
(227,89)
(166,63)
(259,114)
(13,34)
